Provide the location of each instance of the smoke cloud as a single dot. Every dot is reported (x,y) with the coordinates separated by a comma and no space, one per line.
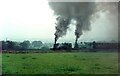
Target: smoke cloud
(61,27)
(82,12)
(110,7)
(112,11)
(119,22)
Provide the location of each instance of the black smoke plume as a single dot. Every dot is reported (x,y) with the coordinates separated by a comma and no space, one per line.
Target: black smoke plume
(61,27)
(80,11)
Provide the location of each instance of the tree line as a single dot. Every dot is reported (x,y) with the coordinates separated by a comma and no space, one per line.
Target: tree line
(25,45)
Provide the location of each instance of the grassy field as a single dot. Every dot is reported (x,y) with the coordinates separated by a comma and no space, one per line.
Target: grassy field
(61,63)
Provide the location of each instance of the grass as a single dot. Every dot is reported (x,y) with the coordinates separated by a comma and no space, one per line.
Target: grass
(61,63)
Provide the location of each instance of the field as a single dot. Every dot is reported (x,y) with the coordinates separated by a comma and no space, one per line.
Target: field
(60,63)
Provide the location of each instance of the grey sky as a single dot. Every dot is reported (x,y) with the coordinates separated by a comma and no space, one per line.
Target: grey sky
(34,20)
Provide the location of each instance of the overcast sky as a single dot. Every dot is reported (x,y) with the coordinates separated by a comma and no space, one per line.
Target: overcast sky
(34,20)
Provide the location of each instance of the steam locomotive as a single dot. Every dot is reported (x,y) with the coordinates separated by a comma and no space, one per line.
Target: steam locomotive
(62,46)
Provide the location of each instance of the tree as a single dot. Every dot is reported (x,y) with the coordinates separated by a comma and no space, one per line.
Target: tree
(25,45)
(37,44)
(17,46)
(3,45)
(45,47)
(10,45)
